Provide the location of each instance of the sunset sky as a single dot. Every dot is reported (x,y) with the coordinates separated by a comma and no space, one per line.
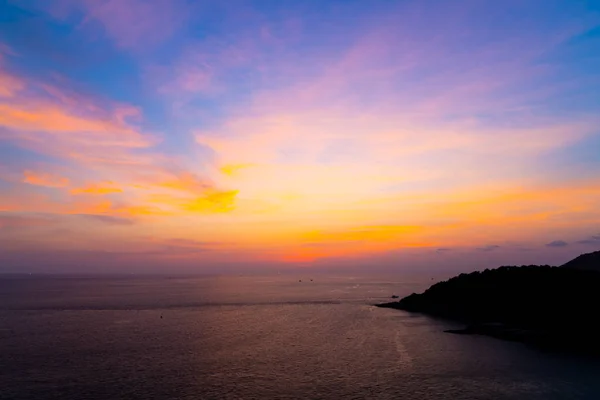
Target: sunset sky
(173,135)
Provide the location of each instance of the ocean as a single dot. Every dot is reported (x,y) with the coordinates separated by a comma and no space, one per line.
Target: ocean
(257,337)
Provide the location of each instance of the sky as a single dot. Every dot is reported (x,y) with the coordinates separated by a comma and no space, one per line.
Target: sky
(207,136)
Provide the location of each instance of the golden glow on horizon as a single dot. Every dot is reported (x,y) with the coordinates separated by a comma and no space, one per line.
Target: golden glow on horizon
(258,150)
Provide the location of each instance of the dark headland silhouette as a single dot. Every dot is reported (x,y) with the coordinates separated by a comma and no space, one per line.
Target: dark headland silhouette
(590,261)
(555,308)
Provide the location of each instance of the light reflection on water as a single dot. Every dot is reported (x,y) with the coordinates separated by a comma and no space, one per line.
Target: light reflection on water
(256,338)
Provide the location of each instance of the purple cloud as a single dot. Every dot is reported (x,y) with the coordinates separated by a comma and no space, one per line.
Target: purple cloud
(491,247)
(557,243)
(592,240)
(108,219)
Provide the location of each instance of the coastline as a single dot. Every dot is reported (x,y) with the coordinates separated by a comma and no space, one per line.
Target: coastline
(552,308)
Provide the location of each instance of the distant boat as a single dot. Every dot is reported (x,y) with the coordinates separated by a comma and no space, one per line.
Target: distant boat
(395,297)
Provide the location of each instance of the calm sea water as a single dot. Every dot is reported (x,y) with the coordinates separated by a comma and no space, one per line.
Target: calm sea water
(256,338)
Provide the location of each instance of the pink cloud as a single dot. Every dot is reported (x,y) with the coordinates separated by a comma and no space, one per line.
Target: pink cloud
(130,23)
(102,140)
(205,66)
(9,85)
(45,118)
(183,79)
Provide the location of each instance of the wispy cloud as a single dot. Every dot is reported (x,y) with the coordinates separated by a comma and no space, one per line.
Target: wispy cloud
(557,243)
(211,201)
(131,24)
(592,240)
(234,169)
(487,248)
(44,179)
(97,189)
(101,139)
(44,114)
(13,221)
(403,127)
(61,124)
(9,85)
(108,219)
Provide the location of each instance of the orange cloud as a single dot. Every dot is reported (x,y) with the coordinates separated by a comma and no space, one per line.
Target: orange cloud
(233,169)
(44,179)
(104,207)
(55,120)
(213,201)
(50,119)
(97,189)
(110,208)
(141,210)
(186,182)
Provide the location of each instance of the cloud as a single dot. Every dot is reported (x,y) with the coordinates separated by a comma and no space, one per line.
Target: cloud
(234,169)
(131,24)
(369,110)
(183,181)
(211,201)
(187,242)
(183,246)
(103,139)
(117,209)
(167,247)
(49,118)
(491,247)
(55,122)
(214,201)
(183,81)
(354,135)
(206,66)
(9,85)
(62,124)
(24,220)
(44,179)
(557,243)
(101,188)
(109,219)
(592,240)
(181,192)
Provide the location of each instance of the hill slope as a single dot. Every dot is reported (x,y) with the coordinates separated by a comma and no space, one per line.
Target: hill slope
(590,261)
